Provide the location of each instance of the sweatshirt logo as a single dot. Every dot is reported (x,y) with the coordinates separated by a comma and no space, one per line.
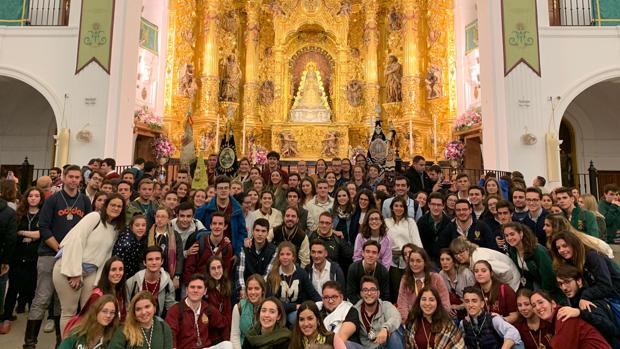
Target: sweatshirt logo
(75,211)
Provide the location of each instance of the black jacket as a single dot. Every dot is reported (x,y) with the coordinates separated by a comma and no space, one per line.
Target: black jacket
(355,274)
(415,181)
(478,233)
(537,227)
(335,274)
(8,232)
(601,317)
(430,233)
(339,250)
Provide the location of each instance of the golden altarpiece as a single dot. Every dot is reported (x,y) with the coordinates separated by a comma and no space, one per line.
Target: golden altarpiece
(306,77)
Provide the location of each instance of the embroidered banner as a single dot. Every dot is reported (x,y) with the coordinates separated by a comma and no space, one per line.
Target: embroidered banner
(95,40)
(520,31)
(14,12)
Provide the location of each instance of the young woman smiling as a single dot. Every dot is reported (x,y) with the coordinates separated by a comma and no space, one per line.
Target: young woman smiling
(374,228)
(364,201)
(269,330)
(429,325)
(456,277)
(84,251)
(219,290)
(418,275)
(131,245)
(267,211)
(569,332)
(534,333)
(113,284)
(289,282)
(97,327)
(402,230)
(531,259)
(310,329)
(308,191)
(602,278)
(243,312)
(342,211)
(142,330)
(498,297)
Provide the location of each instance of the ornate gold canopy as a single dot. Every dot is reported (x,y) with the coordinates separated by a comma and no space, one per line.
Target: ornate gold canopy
(251,55)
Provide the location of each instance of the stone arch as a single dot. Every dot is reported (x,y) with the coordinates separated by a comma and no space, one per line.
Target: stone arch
(45,90)
(29,107)
(574,91)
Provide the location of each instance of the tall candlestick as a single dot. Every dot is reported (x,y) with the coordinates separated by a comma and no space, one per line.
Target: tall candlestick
(217,133)
(243,147)
(410,137)
(435,136)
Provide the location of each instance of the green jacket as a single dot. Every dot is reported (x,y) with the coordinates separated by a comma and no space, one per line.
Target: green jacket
(73,342)
(584,221)
(539,273)
(162,338)
(612,216)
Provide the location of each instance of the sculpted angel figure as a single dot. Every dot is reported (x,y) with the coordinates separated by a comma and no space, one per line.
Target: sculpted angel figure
(330,144)
(288,144)
(393,74)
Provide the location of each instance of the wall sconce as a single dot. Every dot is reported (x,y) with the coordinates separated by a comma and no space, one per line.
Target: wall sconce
(84,135)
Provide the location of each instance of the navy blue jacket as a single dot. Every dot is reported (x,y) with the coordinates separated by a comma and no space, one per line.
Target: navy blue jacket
(236,220)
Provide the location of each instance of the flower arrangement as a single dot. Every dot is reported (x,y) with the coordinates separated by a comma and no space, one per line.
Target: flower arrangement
(454,151)
(145,115)
(469,119)
(163,147)
(258,155)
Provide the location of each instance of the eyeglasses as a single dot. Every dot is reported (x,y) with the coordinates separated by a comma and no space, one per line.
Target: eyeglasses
(108,312)
(330,298)
(369,290)
(564,282)
(532,200)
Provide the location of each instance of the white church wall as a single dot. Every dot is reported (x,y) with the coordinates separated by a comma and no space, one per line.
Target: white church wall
(44,57)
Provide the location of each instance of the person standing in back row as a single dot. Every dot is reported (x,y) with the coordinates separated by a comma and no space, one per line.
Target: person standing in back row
(60,213)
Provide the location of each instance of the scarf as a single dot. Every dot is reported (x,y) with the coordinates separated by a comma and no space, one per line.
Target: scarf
(333,321)
(277,336)
(246,318)
(342,214)
(172,247)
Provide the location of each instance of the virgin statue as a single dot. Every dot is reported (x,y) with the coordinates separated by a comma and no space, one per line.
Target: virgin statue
(311,101)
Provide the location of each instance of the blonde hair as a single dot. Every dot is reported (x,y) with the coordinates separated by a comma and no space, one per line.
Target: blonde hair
(274,278)
(590,204)
(132,327)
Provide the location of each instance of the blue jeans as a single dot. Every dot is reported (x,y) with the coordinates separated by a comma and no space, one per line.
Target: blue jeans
(292,319)
(395,340)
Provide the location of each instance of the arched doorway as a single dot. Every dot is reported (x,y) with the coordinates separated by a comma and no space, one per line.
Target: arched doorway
(28,125)
(589,131)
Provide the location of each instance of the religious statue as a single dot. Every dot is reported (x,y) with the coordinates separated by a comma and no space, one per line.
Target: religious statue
(288,144)
(229,22)
(188,151)
(433,83)
(395,20)
(345,8)
(231,78)
(311,101)
(355,93)
(393,74)
(188,84)
(330,144)
(266,93)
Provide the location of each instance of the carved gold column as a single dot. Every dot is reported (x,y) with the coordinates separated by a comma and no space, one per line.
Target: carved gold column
(209,75)
(411,70)
(371,38)
(439,19)
(250,89)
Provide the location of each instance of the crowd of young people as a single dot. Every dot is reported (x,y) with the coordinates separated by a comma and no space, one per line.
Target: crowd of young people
(334,257)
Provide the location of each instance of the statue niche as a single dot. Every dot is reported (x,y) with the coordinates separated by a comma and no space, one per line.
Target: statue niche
(311,103)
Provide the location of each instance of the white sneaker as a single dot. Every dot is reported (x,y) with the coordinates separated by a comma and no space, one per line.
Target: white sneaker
(49,326)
